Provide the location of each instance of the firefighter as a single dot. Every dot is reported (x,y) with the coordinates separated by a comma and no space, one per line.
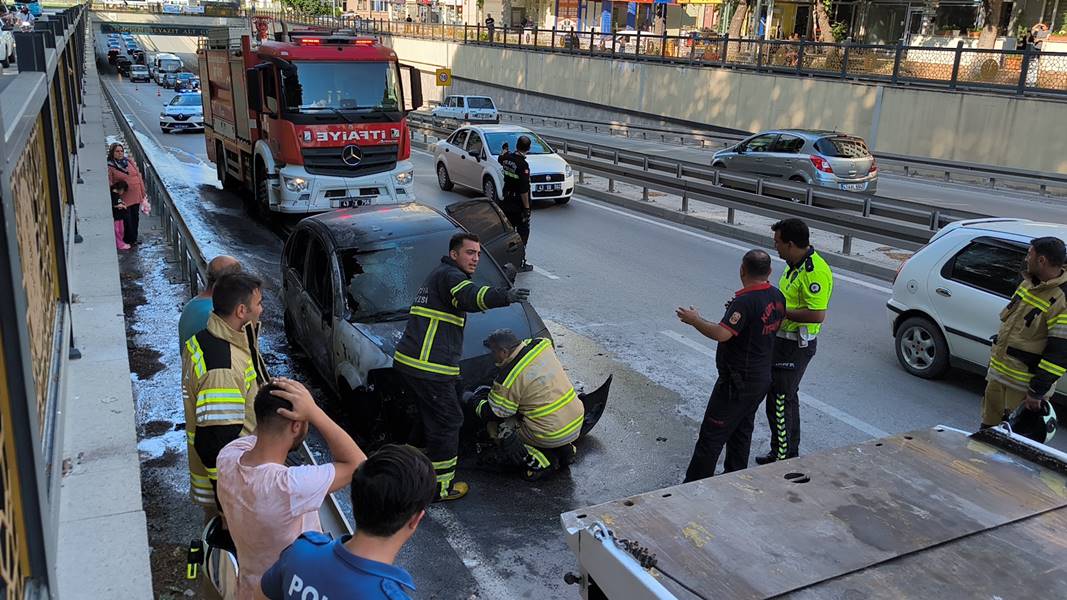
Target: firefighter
(222,370)
(516,202)
(1030,350)
(807,284)
(427,356)
(533,405)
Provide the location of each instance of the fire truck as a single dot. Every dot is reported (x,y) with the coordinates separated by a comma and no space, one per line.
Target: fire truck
(310,121)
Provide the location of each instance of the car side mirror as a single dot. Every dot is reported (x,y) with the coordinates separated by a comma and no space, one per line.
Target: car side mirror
(510,272)
(477,157)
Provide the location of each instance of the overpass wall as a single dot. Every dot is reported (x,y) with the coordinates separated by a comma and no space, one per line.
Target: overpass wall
(1028,133)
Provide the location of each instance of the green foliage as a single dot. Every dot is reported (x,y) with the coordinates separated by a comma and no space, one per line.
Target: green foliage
(839,30)
(310,7)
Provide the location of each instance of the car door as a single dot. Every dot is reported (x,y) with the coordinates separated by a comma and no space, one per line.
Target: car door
(758,155)
(783,157)
(969,291)
(460,108)
(474,165)
(294,297)
(486,220)
(320,284)
(445,110)
(456,157)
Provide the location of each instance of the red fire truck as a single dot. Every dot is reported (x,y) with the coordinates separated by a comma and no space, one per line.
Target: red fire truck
(310,123)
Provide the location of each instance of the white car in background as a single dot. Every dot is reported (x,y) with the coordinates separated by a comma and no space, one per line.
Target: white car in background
(184,111)
(468,158)
(7,45)
(471,109)
(947,298)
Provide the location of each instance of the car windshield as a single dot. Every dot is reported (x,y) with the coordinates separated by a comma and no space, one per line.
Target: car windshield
(186,100)
(168,65)
(496,142)
(310,86)
(184,76)
(476,102)
(842,147)
(139,68)
(381,284)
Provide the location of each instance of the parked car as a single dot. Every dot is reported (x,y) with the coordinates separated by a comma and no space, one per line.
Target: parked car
(184,111)
(822,158)
(7,45)
(467,108)
(186,82)
(139,73)
(948,296)
(469,158)
(123,64)
(348,279)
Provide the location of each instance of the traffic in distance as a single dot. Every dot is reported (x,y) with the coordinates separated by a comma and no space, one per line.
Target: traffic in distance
(383,318)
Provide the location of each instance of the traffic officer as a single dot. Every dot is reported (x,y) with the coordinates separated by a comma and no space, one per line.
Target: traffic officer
(807,284)
(222,370)
(516,202)
(1030,350)
(532,407)
(746,336)
(427,356)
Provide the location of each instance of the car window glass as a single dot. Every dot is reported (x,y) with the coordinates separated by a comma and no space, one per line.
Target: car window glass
(788,144)
(459,101)
(994,268)
(474,144)
(761,143)
(317,279)
(270,89)
(297,252)
(842,147)
(460,139)
(479,218)
(477,102)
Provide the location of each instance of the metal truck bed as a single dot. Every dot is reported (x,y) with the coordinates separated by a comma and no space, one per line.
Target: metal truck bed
(934,514)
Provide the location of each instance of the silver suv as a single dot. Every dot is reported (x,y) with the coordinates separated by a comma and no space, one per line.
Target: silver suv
(823,158)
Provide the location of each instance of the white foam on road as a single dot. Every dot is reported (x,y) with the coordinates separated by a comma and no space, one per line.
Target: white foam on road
(465,546)
(830,411)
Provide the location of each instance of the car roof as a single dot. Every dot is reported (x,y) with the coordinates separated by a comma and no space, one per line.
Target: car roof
(498,128)
(1021,228)
(369,225)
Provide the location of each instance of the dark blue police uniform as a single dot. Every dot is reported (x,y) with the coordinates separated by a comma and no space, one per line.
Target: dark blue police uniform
(317,562)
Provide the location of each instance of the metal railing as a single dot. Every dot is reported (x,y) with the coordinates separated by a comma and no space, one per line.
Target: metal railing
(899,223)
(192,264)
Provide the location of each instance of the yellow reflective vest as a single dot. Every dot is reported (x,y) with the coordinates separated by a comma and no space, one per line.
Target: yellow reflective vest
(1030,352)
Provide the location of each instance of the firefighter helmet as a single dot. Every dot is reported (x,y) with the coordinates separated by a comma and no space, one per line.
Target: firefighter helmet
(1038,425)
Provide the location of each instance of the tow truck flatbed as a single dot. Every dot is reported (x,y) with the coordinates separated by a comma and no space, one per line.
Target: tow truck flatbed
(932,514)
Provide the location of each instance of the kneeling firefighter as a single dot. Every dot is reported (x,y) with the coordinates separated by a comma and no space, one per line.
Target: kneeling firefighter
(532,409)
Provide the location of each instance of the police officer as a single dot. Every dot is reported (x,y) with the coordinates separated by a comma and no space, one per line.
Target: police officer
(427,356)
(806,284)
(1030,350)
(743,361)
(516,202)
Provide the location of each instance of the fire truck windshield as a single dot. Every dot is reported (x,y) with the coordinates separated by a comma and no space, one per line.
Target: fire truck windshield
(341,86)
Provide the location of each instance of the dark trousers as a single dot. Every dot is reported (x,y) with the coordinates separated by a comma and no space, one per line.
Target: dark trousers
(442,418)
(513,211)
(728,422)
(783,401)
(130,220)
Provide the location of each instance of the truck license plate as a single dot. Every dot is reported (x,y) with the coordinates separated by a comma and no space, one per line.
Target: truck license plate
(350,202)
(853,187)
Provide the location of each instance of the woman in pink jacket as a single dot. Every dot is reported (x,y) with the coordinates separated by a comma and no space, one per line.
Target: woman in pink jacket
(121,168)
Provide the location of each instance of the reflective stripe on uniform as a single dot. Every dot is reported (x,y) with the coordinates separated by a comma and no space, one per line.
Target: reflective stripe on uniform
(196,355)
(422,365)
(1057,326)
(460,286)
(427,342)
(1032,300)
(542,460)
(498,401)
(526,360)
(548,409)
(212,474)
(190,436)
(1003,369)
(250,375)
(1050,367)
(564,431)
(430,313)
(481,298)
(446,464)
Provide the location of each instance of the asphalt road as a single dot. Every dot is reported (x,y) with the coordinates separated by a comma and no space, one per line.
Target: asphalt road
(607,280)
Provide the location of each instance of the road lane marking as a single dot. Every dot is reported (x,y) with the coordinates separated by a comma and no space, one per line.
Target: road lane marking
(544,273)
(830,411)
(838,276)
(468,551)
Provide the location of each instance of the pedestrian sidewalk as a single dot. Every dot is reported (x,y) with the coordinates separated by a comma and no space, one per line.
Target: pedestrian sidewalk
(103,537)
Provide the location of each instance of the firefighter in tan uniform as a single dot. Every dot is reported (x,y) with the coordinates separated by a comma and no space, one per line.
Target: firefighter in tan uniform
(537,413)
(222,370)
(1030,350)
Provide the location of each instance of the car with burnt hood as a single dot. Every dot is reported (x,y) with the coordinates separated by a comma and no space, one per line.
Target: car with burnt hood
(348,279)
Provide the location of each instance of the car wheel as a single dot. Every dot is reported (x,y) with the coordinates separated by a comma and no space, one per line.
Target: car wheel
(563,200)
(6,62)
(443,180)
(489,189)
(718,165)
(228,181)
(921,348)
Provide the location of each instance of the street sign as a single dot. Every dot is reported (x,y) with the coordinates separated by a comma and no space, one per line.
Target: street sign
(443,77)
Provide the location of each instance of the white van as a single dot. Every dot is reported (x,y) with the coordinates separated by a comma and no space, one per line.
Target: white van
(164,63)
(474,109)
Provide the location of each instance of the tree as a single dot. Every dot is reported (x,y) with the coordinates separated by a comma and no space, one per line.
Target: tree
(992,10)
(822,20)
(310,7)
(737,21)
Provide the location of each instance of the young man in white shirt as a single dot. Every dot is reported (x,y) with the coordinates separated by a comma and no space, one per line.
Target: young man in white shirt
(268,505)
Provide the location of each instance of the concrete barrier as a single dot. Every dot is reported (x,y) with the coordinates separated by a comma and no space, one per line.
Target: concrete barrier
(992,129)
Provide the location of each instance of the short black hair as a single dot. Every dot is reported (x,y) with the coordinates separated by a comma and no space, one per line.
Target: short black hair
(267,405)
(121,186)
(501,339)
(523,143)
(757,263)
(233,290)
(1052,248)
(793,230)
(390,487)
(465,236)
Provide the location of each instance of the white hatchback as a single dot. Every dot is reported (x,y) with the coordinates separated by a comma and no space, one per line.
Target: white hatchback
(469,158)
(947,298)
(471,109)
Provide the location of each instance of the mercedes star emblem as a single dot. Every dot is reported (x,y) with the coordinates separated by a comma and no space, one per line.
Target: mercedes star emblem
(351,155)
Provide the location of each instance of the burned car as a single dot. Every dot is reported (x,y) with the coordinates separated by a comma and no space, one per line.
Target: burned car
(349,277)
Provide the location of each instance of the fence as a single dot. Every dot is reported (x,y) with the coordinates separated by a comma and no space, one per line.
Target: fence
(42,108)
